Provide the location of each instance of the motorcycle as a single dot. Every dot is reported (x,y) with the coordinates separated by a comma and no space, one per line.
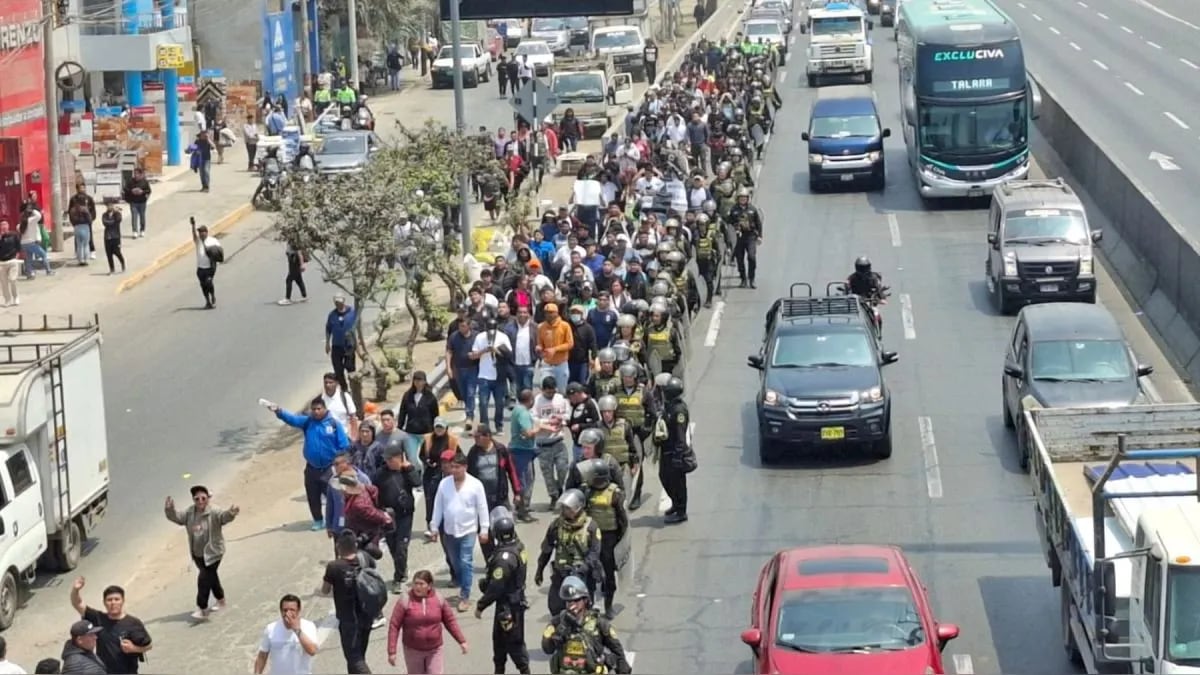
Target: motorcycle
(872,304)
(272,191)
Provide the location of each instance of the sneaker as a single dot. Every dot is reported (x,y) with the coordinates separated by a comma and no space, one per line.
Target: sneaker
(200,615)
(218,606)
(16,301)
(428,535)
(317,525)
(469,425)
(397,587)
(464,605)
(92,256)
(379,622)
(284,302)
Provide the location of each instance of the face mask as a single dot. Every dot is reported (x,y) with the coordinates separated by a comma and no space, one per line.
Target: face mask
(576,319)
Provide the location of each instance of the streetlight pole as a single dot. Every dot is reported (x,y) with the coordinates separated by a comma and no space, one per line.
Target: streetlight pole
(460,122)
(57,205)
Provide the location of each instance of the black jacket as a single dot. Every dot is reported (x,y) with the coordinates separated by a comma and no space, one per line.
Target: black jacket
(75,660)
(585,343)
(140,183)
(417,417)
(396,489)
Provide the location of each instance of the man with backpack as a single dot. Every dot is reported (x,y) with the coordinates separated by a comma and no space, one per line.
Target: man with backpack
(359,595)
(208,255)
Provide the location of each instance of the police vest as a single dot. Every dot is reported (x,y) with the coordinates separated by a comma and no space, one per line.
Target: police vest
(614,441)
(601,508)
(324,96)
(607,386)
(659,340)
(345,96)
(630,407)
(582,650)
(572,545)
(705,245)
(681,283)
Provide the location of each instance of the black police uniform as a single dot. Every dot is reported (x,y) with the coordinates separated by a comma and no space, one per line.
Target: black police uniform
(748,221)
(671,469)
(504,585)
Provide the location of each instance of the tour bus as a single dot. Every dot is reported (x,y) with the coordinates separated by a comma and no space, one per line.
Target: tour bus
(965,96)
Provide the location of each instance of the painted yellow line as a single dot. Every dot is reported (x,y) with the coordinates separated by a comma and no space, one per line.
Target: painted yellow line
(224,224)
(448,400)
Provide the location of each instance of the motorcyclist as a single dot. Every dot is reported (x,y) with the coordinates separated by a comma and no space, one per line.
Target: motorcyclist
(573,542)
(864,282)
(578,639)
(303,161)
(272,168)
(504,586)
(748,221)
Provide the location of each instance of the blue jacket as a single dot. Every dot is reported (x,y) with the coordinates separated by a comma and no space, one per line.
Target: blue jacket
(323,439)
(335,503)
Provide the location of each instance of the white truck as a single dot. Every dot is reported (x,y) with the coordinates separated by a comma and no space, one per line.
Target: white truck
(1116,493)
(591,88)
(625,45)
(838,45)
(54,477)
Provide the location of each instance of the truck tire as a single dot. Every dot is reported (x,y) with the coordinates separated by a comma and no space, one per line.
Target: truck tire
(767,453)
(867,77)
(9,599)
(68,548)
(882,449)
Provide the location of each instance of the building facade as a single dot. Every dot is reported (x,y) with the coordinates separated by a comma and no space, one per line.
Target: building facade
(24,148)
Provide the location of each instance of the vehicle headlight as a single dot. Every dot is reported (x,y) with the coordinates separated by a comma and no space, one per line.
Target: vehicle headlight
(872,395)
(1010,267)
(815,159)
(1085,266)
(771,397)
(874,156)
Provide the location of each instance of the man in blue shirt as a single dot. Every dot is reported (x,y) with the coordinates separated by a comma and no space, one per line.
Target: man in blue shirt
(341,338)
(603,319)
(324,439)
(463,370)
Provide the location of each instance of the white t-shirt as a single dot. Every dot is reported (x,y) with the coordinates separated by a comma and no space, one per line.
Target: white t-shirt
(487,362)
(32,235)
(202,261)
(341,412)
(521,353)
(524,70)
(552,412)
(287,656)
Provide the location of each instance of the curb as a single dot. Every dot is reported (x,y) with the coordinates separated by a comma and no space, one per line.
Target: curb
(222,225)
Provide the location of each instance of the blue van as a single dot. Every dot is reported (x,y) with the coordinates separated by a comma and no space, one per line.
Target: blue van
(845,139)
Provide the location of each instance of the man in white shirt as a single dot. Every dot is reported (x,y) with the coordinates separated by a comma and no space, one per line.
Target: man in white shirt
(206,266)
(289,643)
(550,411)
(339,404)
(460,511)
(492,350)
(524,70)
(522,332)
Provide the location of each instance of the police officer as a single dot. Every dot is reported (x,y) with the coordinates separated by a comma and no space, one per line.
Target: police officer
(504,586)
(573,541)
(633,406)
(677,458)
(592,445)
(578,639)
(605,380)
(708,247)
(662,341)
(618,439)
(606,506)
(685,283)
(748,221)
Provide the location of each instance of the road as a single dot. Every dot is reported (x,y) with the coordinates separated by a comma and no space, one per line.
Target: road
(952,495)
(1129,72)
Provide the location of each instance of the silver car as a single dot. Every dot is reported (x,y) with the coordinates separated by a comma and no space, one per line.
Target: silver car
(554,32)
(345,152)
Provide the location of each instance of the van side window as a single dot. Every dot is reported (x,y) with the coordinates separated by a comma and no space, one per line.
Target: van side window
(1152,600)
(19,471)
(1018,335)
(994,219)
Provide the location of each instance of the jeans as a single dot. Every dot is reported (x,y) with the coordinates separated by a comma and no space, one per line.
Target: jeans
(137,212)
(578,372)
(468,382)
(412,448)
(83,240)
(394,79)
(568,144)
(315,481)
(561,374)
(527,473)
(462,554)
(494,390)
(205,171)
(34,252)
(522,377)
(556,464)
(207,583)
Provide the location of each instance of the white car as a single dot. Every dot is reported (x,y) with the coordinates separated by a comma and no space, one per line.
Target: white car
(554,32)
(538,55)
(476,66)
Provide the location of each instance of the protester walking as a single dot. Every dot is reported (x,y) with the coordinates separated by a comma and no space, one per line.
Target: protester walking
(342,581)
(289,643)
(297,262)
(136,193)
(523,448)
(201,162)
(395,483)
(460,506)
(206,542)
(10,264)
(208,255)
(111,220)
(433,446)
(415,416)
(34,241)
(341,338)
(324,440)
(79,653)
(419,621)
(250,138)
(123,639)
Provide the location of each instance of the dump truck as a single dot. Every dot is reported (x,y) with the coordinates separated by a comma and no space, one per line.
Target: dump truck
(54,478)
(1117,497)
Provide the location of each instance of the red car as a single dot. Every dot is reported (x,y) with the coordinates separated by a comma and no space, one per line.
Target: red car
(827,610)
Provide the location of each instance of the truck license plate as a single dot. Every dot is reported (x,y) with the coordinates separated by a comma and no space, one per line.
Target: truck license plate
(833,433)
(975,192)
(847,177)
(1049,288)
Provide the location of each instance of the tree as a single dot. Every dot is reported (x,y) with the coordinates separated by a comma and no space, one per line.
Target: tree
(348,227)
(387,19)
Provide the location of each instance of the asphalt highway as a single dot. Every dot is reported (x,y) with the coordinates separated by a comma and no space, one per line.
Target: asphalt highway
(1129,72)
(952,495)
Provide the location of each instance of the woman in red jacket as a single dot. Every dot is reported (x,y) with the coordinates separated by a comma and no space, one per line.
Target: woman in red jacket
(421,617)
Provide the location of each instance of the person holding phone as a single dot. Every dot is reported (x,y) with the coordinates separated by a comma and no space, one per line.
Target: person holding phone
(492,350)
(208,254)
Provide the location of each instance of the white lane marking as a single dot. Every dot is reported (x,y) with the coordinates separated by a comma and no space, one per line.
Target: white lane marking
(1021,5)
(1130,87)
(1036,17)
(1100,64)
(664,503)
(933,471)
(963,664)
(1075,47)
(1165,14)
(906,317)
(1154,44)
(1055,30)
(714,325)
(1102,15)
(1189,64)
(894,228)
(1127,29)
(1081,4)
(1176,120)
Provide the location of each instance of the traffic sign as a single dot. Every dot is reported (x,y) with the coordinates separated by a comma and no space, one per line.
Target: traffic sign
(210,91)
(211,73)
(170,57)
(534,101)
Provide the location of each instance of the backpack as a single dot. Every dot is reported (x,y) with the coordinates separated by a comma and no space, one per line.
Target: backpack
(370,589)
(215,253)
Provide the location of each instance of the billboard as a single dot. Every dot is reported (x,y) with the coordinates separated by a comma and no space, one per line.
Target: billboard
(279,56)
(522,9)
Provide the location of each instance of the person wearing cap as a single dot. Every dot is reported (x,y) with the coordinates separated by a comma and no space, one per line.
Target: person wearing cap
(460,510)
(582,354)
(123,638)
(206,262)
(324,439)
(341,338)
(555,341)
(492,351)
(433,446)
(79,653)
(395,483)
(206,543)
(415,415)
(363,514)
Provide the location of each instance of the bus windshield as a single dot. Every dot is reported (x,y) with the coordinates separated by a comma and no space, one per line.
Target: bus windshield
(973,129)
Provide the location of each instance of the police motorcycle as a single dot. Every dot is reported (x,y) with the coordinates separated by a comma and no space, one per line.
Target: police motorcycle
(871,302)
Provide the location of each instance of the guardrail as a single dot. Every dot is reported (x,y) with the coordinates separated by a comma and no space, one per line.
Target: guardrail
(1152,254)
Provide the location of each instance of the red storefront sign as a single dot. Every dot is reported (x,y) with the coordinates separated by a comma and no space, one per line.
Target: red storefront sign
(24,160)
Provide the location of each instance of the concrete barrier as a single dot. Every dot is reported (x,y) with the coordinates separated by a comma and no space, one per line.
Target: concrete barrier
(1154,257)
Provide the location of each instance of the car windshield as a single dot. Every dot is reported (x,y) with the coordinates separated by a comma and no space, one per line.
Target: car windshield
(578,85)
(1046,225)
(547,25)
(837,26)
(533,49)
(463,53)
(1183,628)
(973,129)
(844,127)
(576,22)
(343,145)
(849,620)
(763,29)
(817,350)
(619,38)
(1080,361)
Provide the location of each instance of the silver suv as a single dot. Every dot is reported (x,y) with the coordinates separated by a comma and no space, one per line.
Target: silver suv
(1039,245)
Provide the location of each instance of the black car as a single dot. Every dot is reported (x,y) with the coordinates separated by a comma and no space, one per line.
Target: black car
(581,34)
(887,13)
(822,377)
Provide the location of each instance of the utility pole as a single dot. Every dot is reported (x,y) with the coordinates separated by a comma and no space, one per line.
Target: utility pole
(57,208)
(460,122)
(306,59)
(352,12)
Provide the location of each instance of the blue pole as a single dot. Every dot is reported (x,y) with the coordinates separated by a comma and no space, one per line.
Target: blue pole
(314,42)
(171,101)
(133,79)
